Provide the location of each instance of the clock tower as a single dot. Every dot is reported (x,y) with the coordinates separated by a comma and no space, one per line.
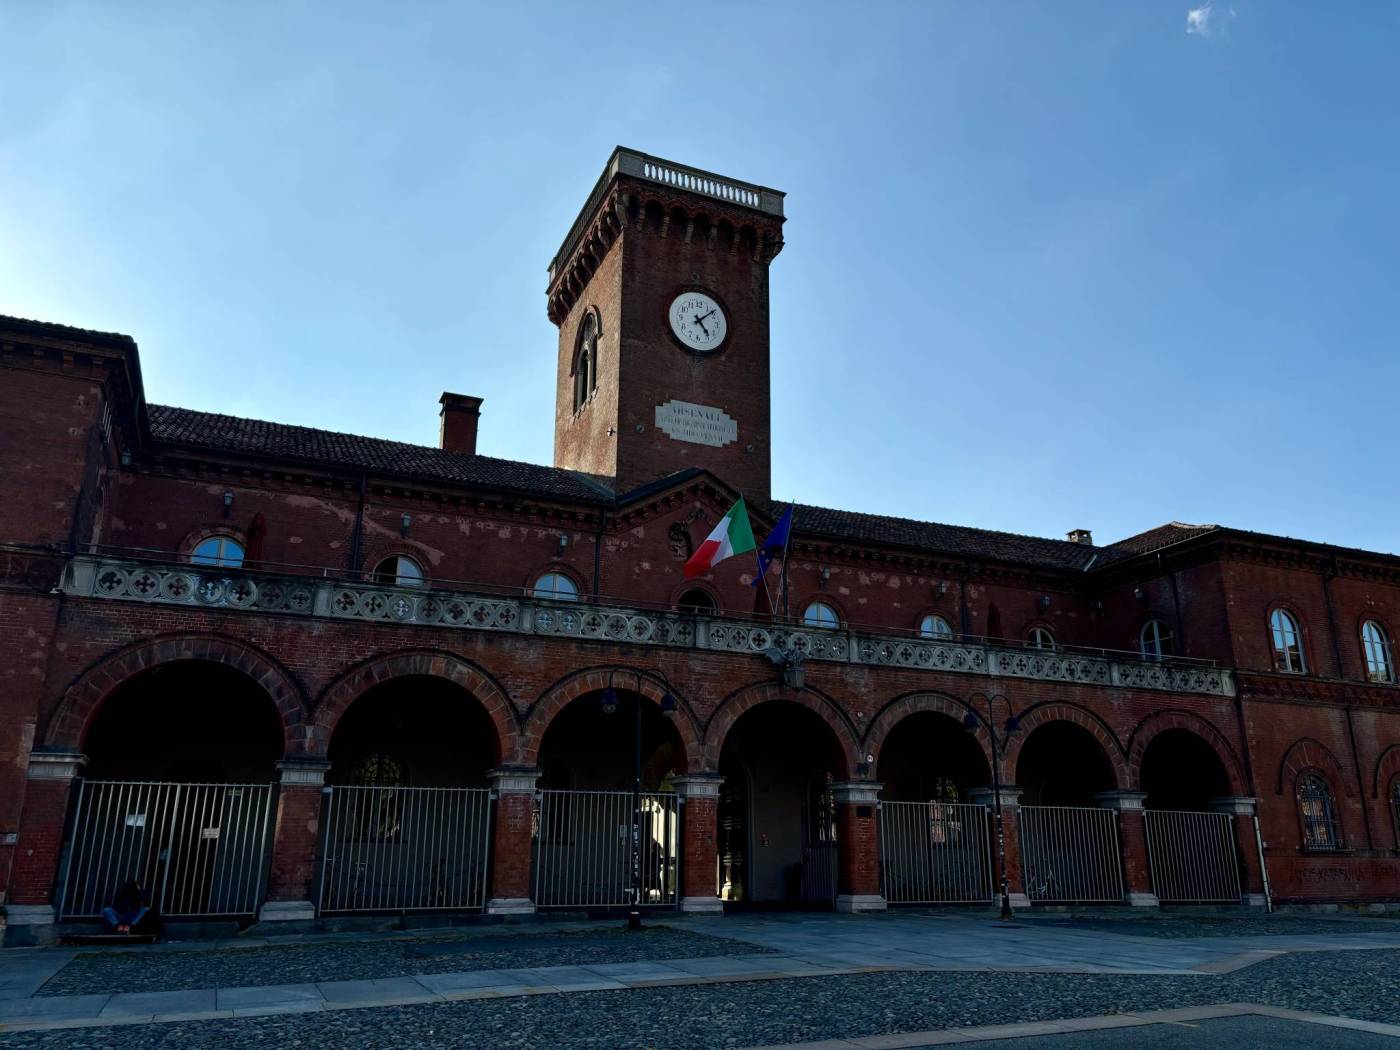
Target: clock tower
(660,293)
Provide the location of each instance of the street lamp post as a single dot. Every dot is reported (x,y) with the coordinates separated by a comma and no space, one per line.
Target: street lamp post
(971,721)
(668,708)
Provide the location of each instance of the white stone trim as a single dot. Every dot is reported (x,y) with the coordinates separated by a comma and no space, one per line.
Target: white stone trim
(698,785)
(850,903)
(55,765)
(1238,805)
(286,911)
(851,792)
(702,905)
(30,915)
(510,906)
(513,781)
(1122,801)
(303,772)
(1010,796)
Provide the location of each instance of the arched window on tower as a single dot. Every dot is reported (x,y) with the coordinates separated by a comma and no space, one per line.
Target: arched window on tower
(224,552)
(1317,813)
(1287,641)
(586,360)
(934,626)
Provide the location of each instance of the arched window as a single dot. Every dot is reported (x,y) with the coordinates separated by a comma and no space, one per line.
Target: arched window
(1287,641)
(696,602)
(223,551)
(399,570)
(1317,813)
(1375,644)
(1156,640)
(377,814)
(932,626)
(586,361)
(819,614)
(557,587)
(378,770)
(1040,638)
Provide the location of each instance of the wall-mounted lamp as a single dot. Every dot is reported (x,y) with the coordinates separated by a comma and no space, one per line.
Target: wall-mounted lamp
(1044,603)
(563,542)
(228,503)
(825,574)
(1139,594)
(863,768)
(942,588)
(404,523)
(126,457)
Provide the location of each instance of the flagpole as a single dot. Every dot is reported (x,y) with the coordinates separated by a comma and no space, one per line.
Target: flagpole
(787,546)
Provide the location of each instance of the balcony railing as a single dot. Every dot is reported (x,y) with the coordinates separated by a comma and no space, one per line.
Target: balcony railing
(166,583)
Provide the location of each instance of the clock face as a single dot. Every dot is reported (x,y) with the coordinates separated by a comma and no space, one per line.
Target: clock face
(698,321)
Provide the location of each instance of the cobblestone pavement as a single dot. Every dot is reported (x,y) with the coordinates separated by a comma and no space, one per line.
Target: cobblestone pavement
(225,964)
(1187,927)
(1360,984)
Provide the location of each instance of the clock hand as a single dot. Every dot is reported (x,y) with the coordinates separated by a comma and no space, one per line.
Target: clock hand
(707,315)
(701,323)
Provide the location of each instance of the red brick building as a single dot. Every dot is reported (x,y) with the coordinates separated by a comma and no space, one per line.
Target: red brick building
(278,672)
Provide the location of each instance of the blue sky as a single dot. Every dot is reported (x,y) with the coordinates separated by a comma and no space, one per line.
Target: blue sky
(1048,266)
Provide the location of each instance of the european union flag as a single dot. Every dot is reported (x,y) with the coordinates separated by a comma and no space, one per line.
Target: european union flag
(775,544)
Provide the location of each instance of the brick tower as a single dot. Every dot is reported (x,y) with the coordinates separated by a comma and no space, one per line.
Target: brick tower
(660,292)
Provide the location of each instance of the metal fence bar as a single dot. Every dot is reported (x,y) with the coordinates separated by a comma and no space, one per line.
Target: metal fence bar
(583,849)
(934,852)
(404,849)
(1070,854)
(1192,856)
(195,849)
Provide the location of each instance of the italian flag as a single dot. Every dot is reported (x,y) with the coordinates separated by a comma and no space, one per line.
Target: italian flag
(733,535)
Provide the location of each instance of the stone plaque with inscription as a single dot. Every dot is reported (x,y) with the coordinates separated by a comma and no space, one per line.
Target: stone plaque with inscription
(699,424)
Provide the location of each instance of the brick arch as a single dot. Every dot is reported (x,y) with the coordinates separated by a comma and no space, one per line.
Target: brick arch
(748,697)
(1308,753)
(901,707)
(1387,768)
(593,680)
(1159,722)
(70,722)
(1038,715)
(432,663)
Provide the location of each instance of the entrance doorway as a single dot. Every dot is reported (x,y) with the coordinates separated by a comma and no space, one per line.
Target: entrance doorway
(777,818)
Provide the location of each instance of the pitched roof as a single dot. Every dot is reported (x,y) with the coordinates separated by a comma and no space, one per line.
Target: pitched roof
(933,536)
(1161,536)
(253,437)
(53,328)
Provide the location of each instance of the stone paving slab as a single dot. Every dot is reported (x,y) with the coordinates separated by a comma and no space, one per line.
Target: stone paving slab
(395,991)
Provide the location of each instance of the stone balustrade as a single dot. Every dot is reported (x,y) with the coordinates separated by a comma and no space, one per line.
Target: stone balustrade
(218,588)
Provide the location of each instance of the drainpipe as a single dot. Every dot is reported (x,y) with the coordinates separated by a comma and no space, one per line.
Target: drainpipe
(598,551)
(962,595)
(1176,605)
(1327,578)
(357,535)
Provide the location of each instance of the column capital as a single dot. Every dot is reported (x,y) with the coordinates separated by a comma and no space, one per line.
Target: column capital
(856,791)
(1122,801)
(514,780)
(697,785)
(1239,805)
(1010,796)
(55,765)
(303,772)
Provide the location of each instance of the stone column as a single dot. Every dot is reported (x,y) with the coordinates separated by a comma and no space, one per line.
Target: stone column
(1132,833)
(699,795)
(1010,841)
(514,788)
(1254,890)
(857,846)
(34,874)
(297,837)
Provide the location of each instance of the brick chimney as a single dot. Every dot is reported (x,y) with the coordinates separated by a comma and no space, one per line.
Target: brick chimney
(1080,536)
(459,418)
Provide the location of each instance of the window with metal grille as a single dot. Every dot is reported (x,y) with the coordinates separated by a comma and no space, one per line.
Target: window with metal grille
(1288,642)
(586,361)
(1156,640)
(378,815)
(1317,813)
(1375,645)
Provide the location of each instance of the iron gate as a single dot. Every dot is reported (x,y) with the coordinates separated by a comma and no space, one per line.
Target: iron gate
(583,849)
(1192,856)
(404,849)
(1070,854)
(934,852)
(196,849)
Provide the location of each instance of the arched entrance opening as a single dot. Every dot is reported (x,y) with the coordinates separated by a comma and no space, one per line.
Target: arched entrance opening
(407,812)
(177,796)
(930,757)
(1062,764)
(1181,771)
(414,731)
(777,817)
(934,846)
(1192,851)
(588,813)
(191,721)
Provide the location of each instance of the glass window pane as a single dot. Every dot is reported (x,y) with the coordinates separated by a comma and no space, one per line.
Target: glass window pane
(819,614)
(223,551)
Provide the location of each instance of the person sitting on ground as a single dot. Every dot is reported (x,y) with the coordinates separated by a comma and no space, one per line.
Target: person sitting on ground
(128,910)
